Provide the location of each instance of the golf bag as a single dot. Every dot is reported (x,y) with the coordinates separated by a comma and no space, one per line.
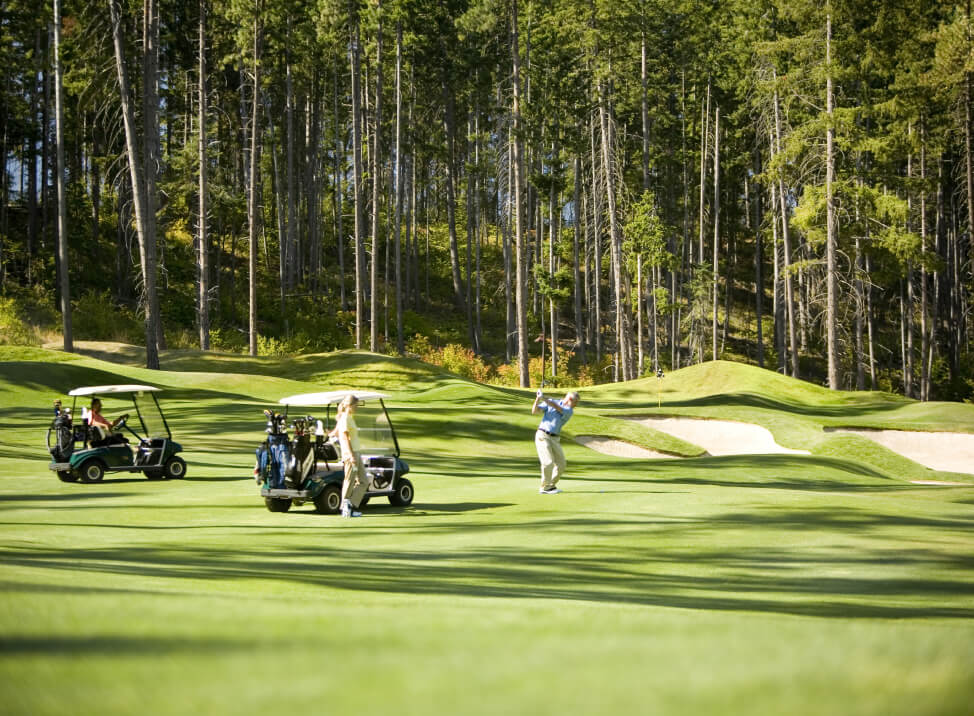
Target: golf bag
(60,438)
(301,462)
(272,459)
(274,453)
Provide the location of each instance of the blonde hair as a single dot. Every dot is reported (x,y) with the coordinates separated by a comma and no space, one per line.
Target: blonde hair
(347,402)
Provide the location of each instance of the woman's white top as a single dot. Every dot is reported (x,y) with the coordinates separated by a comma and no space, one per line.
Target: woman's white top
(346,424)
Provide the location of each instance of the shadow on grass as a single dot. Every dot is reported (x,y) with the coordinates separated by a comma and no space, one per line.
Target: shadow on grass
(68,646)
(875,581)
(62,496)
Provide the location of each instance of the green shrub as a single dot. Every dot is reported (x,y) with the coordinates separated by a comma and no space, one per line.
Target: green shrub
(13,329)
(96,317)
(26,314)
(228,339)
(270,346)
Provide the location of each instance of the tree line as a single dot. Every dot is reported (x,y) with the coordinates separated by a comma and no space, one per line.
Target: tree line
(636,184)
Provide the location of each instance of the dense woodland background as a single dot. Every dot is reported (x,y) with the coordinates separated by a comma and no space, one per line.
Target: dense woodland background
(590,189)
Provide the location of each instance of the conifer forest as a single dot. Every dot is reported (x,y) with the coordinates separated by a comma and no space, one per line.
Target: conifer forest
(579,191)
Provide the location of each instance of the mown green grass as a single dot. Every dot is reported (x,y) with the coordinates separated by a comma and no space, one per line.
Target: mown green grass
(749,584)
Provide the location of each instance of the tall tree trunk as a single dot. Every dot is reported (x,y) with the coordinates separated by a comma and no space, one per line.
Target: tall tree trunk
(597,248)
(479,209)
(778,309)
(339,198)
(924,299)
(789,295)
(704,130)
(521,279)
(968,140)
(644,106)
(576,227)
(376,184)
(32,227)
(290,239)
(203,305)
(716,228)
(449,126)
(152,150)
(869,325)
(400,341)
(360,283)
(831,276)
(252,216)
(758,261)
(622,337)
(859,318)
(62,200)
(147,250)
(553,229)
(640,356)
(471,221)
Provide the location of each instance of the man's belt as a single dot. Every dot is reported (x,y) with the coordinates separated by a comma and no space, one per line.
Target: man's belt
(554,435)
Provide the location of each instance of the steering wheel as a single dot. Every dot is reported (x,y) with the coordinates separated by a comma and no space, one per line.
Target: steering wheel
(121,421)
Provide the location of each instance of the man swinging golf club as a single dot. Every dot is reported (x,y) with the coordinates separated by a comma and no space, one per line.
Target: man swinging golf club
(547,441)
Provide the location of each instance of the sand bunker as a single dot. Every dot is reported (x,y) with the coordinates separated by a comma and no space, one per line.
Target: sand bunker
(721,437)
(950,452)
(617,448)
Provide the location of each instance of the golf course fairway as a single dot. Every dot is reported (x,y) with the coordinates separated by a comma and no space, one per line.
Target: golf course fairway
(826,583)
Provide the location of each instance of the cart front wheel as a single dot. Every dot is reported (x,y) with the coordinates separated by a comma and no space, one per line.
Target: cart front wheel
(403,496)
(92,471)
(329,500)
(175,468)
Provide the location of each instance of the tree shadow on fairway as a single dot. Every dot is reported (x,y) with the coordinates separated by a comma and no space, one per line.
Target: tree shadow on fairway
(62,497)
(610,561)
(378,506)
(82,646)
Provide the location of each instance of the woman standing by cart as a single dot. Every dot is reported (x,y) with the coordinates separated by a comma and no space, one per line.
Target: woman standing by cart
(355,484)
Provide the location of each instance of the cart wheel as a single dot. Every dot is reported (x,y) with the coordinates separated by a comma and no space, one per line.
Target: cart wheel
(92,471)
(329,500)
(278,504)
(155,474)
(66,476)
(175,468)
(403,496)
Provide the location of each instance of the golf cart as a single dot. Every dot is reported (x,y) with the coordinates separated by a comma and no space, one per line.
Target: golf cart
(83,451)
(307,467)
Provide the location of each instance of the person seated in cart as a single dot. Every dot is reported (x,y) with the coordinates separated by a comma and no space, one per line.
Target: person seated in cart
(105,428)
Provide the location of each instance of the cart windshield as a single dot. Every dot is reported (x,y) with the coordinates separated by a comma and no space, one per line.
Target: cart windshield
(375,432)
(152,420)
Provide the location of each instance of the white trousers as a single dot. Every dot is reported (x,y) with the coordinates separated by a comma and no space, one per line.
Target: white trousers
(356,482)
(552,458)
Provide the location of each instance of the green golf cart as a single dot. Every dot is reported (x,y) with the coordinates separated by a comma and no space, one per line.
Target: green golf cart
(306,466)
(81,451)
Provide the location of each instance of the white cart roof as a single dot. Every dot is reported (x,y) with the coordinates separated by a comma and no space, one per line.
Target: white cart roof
(330,397)
(103,389)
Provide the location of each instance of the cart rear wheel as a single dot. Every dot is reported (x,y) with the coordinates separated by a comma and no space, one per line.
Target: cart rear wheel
(92,471)
(66,476)
(278,504)
(329,500)
(154,474)
(403,496)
